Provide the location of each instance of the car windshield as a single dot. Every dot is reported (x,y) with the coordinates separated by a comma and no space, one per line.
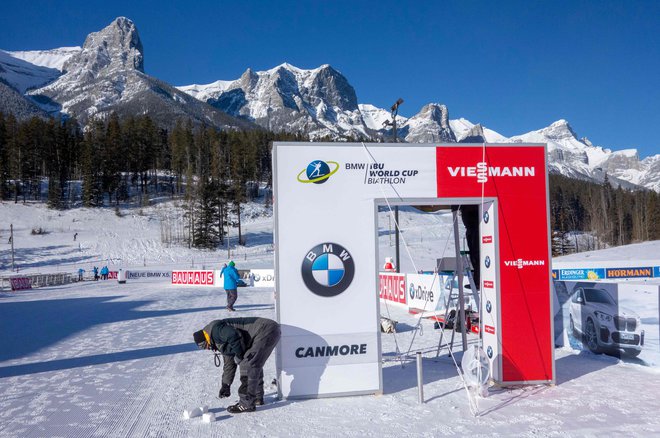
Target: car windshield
(597,296)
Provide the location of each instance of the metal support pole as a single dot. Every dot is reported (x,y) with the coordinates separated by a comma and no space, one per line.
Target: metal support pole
(420,378)
(11,239)
(396,240)
(459,267)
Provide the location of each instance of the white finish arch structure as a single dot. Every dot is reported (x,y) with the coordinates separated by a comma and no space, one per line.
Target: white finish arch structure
(325,199)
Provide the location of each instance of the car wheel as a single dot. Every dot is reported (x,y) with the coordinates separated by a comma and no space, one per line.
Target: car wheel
(632,352)
(591,336)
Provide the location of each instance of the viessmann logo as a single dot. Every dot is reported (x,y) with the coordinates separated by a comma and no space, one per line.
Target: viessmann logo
(520,263)
(318,172)
(482,171)
(328,269)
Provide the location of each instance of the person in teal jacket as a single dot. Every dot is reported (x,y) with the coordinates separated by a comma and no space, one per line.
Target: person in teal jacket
(230,275)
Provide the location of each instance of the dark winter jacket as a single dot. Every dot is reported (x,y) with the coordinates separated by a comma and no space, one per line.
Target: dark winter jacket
(241,339)
(231,277)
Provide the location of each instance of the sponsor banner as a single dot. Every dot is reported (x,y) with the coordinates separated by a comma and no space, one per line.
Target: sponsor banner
(636,272)
(581,274)
(324,239)
(195,278)
(112,275)
(325,256)
(555,274)
(489,306)
(263,277)
(149,275)
(426,292)
(20,283)
(625,316)
(328,350)
(608,269)
(516,176)
(392,287)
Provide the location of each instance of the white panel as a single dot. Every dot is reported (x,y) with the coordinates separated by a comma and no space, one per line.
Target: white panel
(324,204)
(489,289)
(425,292)
(313,350)
(345,379)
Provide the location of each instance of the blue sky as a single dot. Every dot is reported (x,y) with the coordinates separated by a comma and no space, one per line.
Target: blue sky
(514,66)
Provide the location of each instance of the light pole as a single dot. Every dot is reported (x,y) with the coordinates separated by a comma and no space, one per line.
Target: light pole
(395,111)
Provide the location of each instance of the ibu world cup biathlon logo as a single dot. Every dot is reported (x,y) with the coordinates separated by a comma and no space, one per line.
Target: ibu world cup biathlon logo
(328,269)
(318,172)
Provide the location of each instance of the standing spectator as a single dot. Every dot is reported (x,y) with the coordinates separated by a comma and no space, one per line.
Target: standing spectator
(81,271)
(96,273)
(231,277)
(104,272)
(75,235)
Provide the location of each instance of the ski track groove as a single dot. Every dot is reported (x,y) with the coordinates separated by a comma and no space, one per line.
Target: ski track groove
(138,409)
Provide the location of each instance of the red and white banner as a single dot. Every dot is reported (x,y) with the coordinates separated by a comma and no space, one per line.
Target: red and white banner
(195,278)
(392,287)
(20,283)
(516,177)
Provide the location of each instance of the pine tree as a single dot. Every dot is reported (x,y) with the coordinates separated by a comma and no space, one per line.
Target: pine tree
(4,159)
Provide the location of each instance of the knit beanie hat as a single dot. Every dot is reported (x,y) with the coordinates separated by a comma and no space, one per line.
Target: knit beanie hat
(232,263)
(200,340)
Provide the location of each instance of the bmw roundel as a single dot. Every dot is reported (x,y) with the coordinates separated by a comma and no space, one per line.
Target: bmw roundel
(489,351)
(328,269)
(318,172)
(489,306)
(487,262)
(486,217)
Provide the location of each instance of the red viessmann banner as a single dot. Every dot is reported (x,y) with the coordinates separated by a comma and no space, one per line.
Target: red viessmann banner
(202,278)
(517,177)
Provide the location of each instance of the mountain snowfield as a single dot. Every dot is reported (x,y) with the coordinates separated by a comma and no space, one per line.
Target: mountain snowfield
(106,75)
(118,359)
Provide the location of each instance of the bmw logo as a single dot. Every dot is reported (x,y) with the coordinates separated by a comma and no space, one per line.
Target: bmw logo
(328,269)
(411,290)
(489,306)
(487,261)
(318,172)
(489,352)
(486,217)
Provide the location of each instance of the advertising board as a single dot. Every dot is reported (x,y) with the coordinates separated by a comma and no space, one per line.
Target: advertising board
(194,278)
(20,283)
(392,288)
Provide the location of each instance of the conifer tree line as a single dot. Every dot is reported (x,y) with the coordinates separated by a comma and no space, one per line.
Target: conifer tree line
(133,160)
(614,216)
(215,172)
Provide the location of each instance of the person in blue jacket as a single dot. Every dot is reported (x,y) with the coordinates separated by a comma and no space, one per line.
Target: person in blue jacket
(231,278)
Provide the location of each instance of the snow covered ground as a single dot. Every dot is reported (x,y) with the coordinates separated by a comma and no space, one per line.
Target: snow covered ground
(108,359)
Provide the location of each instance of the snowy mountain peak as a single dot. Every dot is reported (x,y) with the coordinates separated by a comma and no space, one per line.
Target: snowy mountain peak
(559,130)
(116,46)
(430,125)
